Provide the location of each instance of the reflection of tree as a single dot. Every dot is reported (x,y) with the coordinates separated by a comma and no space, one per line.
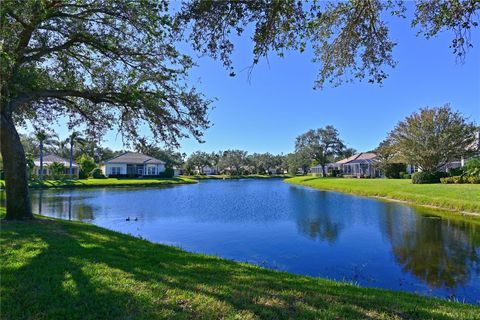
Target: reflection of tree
(442,253)
(315,217)
(63,206)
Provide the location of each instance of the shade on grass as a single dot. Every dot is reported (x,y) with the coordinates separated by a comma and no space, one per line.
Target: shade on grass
(458,197)
(55,269)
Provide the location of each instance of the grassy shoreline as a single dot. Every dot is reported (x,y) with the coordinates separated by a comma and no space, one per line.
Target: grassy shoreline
(109,182)
(54,269)
(125,182)
(464,198)
(229,177)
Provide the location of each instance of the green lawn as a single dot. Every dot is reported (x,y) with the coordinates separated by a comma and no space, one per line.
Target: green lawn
(458,197)
(105,182)
(53,269)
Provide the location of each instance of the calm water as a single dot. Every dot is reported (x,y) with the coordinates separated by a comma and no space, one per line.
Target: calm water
(290,228)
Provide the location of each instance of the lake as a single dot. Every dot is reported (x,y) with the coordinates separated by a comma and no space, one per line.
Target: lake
(291,228)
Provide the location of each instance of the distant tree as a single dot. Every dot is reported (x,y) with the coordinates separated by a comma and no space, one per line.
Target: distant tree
(75,138)
(297,160)
(30,144)
(214,159)
(233,161)
(345,153)
(433,137)
(262,162)
(172,158)
(321,145)
(86,164)
(45,139)
(386,154)
(197,161)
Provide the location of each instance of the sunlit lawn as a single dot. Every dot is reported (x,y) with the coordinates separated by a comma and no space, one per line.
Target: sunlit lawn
(106,182)
(53,269)
(460,197)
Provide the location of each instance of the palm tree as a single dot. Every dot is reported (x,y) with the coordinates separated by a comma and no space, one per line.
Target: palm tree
(45,139)
(75,137)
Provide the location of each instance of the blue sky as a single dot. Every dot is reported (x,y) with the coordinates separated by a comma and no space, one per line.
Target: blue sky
(266,113)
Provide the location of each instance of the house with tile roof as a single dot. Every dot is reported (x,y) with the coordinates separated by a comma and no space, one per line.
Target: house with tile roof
(132,164)
(359,165)
(48,159)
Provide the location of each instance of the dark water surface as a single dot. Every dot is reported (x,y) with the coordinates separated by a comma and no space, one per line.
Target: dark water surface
(291,228)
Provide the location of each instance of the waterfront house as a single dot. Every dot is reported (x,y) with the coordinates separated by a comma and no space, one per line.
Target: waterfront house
(132,164)
(48,159)
(359,165)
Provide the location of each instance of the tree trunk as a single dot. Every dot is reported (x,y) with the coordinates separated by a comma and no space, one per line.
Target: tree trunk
(71,158)
(40,175)
(15,165)
(323,171)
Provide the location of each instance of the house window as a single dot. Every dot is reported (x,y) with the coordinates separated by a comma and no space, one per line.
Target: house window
(151,171)
(140,171)
(115,170)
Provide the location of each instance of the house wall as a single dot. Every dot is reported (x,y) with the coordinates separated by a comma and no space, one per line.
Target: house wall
(47,171)
(107,169)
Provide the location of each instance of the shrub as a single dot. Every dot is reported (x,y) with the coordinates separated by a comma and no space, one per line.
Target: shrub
(406,175)
(452,172)
(446,180)
(168,173)
(460,179)
(427,177)
(393,170)
(472,167)
(473,179)
(97,174)
(334,173)
(87,165)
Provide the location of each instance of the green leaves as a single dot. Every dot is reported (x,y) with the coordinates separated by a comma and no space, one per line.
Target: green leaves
(108,63)
(433,137)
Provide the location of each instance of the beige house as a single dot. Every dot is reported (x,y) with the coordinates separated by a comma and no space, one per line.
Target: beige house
(132,164)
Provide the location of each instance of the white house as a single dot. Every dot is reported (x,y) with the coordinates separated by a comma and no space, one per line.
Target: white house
(48,159)
(205,170)
(133,164)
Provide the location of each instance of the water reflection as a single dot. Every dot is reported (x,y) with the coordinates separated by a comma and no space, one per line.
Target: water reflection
(62,204)
(295,229)
(443,253)
(313,217)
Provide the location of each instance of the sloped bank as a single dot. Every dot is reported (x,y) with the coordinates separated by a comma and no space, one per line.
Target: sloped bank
(53,269)
(461,198)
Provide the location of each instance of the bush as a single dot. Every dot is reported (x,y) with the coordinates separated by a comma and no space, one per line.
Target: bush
(168,173)
(393,170)
(452,172)
(97,174)
(460,179)
(472,167)
(427,177)
(87,165)
(405,175)
(473,179)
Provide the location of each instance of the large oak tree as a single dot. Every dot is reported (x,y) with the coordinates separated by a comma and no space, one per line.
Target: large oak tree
(100,63)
